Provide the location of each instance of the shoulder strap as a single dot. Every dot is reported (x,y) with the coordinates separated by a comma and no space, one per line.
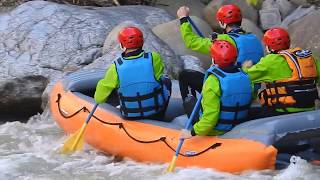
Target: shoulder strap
(290,56)
(218,73)
(119,61)
(146,55)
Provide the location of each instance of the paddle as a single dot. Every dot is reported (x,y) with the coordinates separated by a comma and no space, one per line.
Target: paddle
(75,141)
(195,27)
(194,111)
(187,126)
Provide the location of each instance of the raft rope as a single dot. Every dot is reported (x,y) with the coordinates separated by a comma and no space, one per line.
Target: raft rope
(121,126)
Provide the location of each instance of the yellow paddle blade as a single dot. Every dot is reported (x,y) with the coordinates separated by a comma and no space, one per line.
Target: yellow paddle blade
(75,142)
(172,164)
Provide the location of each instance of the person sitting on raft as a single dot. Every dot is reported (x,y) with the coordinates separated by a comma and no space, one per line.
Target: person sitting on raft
(226,93)
(229,17)
(290,76)
(143,90)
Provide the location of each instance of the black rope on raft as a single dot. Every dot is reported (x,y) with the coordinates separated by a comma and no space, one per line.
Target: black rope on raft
(121,126)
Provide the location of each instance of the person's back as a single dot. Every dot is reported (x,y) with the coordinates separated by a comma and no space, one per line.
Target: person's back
(249,47)
(290,75)
(138,77)
(223,105)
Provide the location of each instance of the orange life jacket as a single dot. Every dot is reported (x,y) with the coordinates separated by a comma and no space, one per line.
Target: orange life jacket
(300,90)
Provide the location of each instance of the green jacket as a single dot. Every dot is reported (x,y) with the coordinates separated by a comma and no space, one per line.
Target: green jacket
(211,88)
(210,102)
(271,68)
(197,43)
(110,81)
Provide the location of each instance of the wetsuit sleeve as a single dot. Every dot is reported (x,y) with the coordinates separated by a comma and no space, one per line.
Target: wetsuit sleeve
(192,40)
(270,68)
(106,85)
(158,65)
(211,107)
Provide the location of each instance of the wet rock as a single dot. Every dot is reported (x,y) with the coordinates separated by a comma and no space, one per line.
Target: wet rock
(170,33)
(304,33)
(211,9)
(45,40)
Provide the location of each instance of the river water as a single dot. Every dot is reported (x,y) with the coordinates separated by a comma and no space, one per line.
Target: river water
(29,151)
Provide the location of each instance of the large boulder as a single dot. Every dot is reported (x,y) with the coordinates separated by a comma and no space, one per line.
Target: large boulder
(299,2)
(249,26)
(211,9)
(285,7)
(171,6)
(297,14)
(170,33)
(304,33)
(41,41)
(270,18)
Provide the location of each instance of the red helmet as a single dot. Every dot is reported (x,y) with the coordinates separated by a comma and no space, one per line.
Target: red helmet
(131,37)
(229,14)
(277,39)
(223,53)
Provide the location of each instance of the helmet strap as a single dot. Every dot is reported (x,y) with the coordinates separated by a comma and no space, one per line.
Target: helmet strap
(212,60)
(222,25)
(122,48)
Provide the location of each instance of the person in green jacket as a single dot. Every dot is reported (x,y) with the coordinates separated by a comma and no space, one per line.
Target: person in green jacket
(137,76)
(290,75)
(223,103)
(229,17)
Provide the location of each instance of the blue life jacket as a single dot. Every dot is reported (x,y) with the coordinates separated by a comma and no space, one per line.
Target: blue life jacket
(249,47)
(235,97)
(140,94)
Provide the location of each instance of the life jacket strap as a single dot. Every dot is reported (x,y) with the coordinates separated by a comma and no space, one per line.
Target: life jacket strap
(139,98)
(304,92)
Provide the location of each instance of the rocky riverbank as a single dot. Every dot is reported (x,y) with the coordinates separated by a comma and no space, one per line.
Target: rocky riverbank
(42,41)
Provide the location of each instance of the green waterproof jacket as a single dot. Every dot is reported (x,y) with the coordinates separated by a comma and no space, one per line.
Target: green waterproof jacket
(271,68)
(211,88)
(210,102)
(197,43)
(110,81)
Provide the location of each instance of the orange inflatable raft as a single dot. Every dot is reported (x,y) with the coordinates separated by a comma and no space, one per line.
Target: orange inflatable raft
(149,140)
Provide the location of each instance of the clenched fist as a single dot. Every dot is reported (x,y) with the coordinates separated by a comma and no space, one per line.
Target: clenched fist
(183,11)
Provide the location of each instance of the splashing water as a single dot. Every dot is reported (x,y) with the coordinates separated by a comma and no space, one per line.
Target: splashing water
(30,151)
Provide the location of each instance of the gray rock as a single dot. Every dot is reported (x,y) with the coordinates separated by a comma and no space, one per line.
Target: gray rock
(299,2)
(210,11)
(304,33)
(297,14)
(285,7)
(171,6)
(41,41)
(192,62)
(170,33)
(249,26)
(270,18)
